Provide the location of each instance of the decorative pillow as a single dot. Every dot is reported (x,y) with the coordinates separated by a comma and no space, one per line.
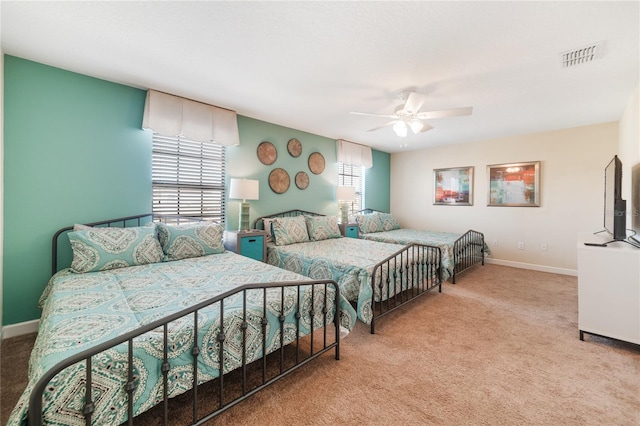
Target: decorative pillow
(266,223)
(190,240)
(289,230)
(388,222)
(100,249)
(369,223)
(322,227)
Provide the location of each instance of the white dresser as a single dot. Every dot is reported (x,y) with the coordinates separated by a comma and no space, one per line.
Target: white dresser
(608,288)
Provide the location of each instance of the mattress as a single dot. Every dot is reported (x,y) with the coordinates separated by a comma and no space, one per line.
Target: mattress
(348,261)
(83,310)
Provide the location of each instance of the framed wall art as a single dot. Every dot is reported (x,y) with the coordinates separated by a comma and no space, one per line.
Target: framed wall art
(453,186)
(514,185)
(294,147)
(316,163)
(279,180)
(267,153)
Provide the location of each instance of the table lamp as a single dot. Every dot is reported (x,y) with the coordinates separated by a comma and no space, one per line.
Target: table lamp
(344,195)
(244,189)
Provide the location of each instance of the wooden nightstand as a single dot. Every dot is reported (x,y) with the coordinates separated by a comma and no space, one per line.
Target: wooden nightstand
(251,243)
(350,230)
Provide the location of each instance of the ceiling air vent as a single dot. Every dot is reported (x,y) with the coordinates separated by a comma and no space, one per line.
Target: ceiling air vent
(589,53)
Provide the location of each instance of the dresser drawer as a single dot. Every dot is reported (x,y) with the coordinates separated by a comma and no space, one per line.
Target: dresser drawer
(351,231)
(252,246)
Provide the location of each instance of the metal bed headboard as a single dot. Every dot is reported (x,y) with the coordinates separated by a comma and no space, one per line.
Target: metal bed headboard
(62,249)
(258,224)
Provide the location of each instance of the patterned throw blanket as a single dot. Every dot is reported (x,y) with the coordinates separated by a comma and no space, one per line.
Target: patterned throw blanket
(82,310)
(348,261)
(443,240)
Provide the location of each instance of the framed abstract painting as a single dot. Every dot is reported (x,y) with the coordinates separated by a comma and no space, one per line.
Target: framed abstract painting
(514,185)
(453,186)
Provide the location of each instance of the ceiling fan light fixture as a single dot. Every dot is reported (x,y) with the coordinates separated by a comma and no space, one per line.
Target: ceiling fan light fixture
(400,128)
(416,126)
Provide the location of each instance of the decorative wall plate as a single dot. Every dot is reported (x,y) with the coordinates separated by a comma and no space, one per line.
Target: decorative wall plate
(294,147)
(267,153)
(316,163)
(279,180)
(302,180)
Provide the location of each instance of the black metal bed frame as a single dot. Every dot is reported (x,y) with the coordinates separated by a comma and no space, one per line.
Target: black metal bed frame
(247,389)
(468,249)
(420,272)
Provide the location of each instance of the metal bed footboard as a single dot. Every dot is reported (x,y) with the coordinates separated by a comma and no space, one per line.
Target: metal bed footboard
(468,250)
(325,342)
(403,276)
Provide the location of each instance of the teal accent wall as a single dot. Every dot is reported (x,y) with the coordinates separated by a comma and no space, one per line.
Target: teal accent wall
(74,151)
(243,162)
(377,187)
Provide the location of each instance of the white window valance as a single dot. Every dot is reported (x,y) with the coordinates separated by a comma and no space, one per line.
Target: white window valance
(353,154)
(173,116)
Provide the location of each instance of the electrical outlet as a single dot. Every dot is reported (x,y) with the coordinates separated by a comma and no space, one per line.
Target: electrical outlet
(543,246)
(520,245)
(495,242)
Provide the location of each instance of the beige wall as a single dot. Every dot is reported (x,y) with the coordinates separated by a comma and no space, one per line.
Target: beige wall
(1,178)
(571,181)
(629,146)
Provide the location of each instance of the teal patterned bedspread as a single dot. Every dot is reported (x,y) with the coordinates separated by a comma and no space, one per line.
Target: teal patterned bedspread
(82,310)
(348,261)
(444,240)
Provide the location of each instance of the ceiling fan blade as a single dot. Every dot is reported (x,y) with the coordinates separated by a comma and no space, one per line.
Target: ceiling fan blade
(414,103)
(443,113)
(391,123)
(426,128)
(374,115)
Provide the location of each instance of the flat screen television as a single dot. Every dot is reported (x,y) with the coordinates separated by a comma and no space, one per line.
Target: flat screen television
(615,208)
(635,202)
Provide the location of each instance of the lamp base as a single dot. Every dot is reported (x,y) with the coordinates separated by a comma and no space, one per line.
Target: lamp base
(344,213)
(243,222)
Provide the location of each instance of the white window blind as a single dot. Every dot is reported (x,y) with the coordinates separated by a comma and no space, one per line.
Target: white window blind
(188,178)
(349,175)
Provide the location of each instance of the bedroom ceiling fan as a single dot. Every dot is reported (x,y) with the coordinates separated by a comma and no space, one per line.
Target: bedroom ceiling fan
(408,115)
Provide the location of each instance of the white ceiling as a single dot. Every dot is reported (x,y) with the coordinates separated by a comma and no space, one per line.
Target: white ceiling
(306,65)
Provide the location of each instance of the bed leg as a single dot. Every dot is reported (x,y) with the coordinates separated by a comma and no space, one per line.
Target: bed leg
(373,328)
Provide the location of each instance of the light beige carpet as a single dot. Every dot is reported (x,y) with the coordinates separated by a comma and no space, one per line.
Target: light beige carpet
(501,347)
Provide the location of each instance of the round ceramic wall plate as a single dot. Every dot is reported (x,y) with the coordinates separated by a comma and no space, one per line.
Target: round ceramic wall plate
(267,153)
(316,163)
(294,147)
(302,180)
(279,180)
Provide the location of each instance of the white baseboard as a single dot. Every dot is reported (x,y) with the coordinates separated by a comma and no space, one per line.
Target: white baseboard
(19,329)
(534,267)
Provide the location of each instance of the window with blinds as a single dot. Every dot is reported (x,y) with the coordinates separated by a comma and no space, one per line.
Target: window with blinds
(352,176)
(188,178)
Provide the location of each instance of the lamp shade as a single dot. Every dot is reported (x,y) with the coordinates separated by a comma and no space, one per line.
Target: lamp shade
(244,189)
(345,193)
(400,128)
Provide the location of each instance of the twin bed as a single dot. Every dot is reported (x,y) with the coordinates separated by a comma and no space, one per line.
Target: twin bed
(376,277)
(459,251)
(148,311)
